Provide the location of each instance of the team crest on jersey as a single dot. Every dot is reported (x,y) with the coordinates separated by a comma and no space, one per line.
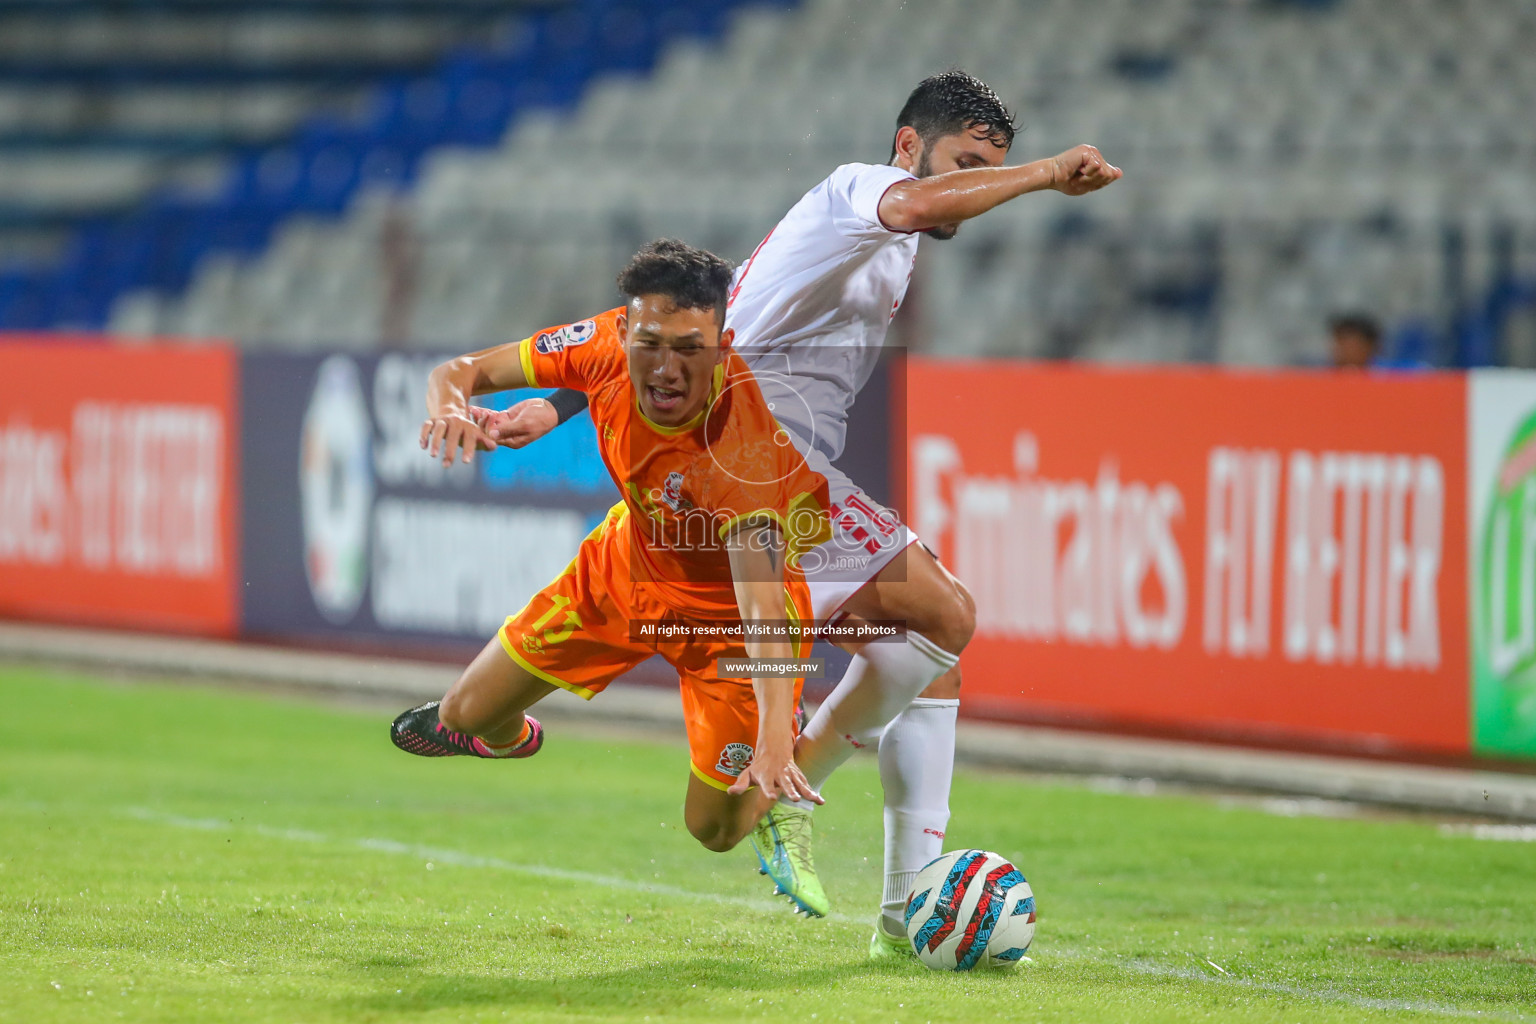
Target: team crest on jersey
(734,759)
(672,491)
(565,337)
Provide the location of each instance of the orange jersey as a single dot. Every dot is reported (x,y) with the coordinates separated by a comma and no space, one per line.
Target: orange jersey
(687,486)
(579,633)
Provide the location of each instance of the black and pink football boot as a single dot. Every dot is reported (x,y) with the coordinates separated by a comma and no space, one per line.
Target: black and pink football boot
(418,732)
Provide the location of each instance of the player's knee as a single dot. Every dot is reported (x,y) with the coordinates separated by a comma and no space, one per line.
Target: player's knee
(946,687)
(965,619)
(720,843)
(714,836)
(953,619)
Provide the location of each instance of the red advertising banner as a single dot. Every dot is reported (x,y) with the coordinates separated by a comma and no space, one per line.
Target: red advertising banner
(117,485)
(1277,557)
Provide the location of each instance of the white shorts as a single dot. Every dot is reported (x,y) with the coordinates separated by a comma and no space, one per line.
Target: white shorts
(866,536)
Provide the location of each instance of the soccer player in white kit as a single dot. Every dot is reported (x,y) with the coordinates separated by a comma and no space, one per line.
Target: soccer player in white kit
(810,309)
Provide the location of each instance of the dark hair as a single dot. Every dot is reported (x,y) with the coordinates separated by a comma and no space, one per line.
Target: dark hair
(1357,323)
(954,102)
(692,278)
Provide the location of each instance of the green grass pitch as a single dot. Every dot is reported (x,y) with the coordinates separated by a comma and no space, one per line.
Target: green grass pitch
(169,853)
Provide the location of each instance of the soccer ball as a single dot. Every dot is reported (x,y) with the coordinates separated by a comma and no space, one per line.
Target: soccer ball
(970,909)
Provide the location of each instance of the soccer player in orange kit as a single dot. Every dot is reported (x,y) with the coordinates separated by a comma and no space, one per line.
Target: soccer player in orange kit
(717,506)
(810,310)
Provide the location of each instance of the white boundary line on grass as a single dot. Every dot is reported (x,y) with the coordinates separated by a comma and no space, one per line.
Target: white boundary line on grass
(436,855)
(1324,994)
(1497,833)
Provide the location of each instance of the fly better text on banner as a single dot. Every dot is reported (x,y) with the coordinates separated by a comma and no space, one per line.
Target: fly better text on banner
(1204,551)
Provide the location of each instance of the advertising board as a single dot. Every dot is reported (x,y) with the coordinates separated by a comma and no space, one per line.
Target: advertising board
(117,485)
(1501,460)
(1266,556)
(354,535)
(1329,560)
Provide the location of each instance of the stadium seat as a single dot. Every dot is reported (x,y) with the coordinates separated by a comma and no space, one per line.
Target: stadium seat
(1282,159)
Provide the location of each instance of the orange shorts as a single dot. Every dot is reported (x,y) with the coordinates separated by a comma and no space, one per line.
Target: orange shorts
(577,634)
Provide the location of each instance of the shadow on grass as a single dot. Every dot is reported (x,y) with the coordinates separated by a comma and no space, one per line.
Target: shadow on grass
(669,986)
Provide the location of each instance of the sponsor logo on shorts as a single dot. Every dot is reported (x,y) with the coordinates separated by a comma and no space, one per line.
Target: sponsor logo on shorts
(734,759)
(566,337)
(856,744)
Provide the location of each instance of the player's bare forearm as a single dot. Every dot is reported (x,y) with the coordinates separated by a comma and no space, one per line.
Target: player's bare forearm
(773,766)
(756,553)
(451,425)
(451,384)
(757,572)
(775,693)
(924,203)
(530,419)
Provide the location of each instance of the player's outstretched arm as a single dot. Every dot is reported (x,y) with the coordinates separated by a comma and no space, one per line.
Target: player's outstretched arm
(757,569)
(450,426)
(924,203)
(530,419)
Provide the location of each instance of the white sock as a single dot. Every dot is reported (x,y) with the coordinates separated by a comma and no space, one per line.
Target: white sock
(881,681)
(917,765)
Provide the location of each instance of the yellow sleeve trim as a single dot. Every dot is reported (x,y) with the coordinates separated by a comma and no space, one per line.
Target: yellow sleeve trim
(506,645)
(710,779)
(731,523)
(802,507)
(525,355)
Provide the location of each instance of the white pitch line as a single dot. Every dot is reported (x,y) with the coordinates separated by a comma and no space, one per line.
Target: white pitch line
(469,860)
(457,858)
(1497,833)
(1322,994)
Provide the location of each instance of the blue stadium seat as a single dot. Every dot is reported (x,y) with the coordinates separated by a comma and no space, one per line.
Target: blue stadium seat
(470,97)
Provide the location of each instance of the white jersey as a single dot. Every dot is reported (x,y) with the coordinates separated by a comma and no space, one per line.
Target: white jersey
(811,306)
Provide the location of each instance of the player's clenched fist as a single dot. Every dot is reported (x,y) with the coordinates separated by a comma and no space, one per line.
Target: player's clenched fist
(451,432)
(1082,169)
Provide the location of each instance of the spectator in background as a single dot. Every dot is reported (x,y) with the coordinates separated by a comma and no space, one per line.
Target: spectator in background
(1356,341)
